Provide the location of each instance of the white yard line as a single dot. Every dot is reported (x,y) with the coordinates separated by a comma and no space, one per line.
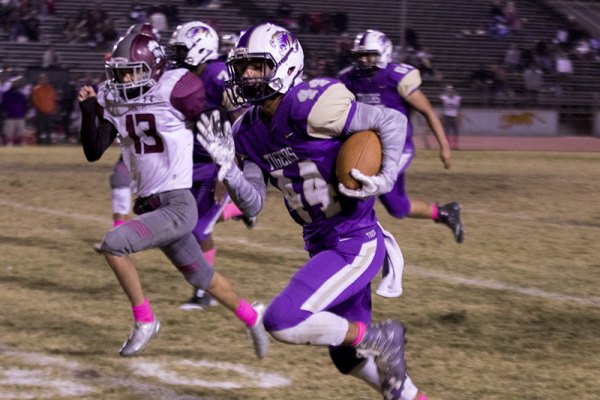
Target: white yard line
(442,276)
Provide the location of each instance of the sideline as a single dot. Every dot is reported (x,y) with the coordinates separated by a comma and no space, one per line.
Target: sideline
(442,276)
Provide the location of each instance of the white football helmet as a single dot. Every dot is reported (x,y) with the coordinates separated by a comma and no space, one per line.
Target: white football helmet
(194,43)
(373,42)
(282,61)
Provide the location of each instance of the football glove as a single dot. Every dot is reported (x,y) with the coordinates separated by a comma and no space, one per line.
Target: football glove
(371,185)
(214,134)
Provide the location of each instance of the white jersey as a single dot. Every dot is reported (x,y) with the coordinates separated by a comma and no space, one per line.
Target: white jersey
(156,142)
(450,105)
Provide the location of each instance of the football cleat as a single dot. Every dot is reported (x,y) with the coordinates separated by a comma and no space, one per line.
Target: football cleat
(449,215)
(250,222)
(97,247)
(385,341)
(139,337)
(199,302)
(258,333)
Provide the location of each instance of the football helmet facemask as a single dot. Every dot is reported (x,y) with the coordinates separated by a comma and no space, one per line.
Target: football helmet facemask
(276,56)
(371,43)
(193,43)
(136,64)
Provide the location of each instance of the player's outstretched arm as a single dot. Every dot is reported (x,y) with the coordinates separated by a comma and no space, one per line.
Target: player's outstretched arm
(95,139)
(247,189)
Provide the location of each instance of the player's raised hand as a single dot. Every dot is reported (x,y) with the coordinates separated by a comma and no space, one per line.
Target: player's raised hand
(85,92)
(214,134)
(371,185)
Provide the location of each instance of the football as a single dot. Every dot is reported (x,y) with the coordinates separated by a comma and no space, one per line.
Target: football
(361,150)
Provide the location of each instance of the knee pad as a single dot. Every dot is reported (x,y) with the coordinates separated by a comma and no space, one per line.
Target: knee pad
(197,274)
(322,328)
(116,243)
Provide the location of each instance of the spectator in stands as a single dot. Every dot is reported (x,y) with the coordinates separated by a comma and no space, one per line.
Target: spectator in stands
(411,38)
(513,20)
(109,32)
(343,55)
(582,48)
(284,14)
(304,22)
(43,100)
(157,18)
(563,69)
(542,56)
(533,79)
(512,58)
(481,78)
(451,114)
(496,9)
(425,64)
(66,104)
(50,58)
(32,27)
(13,108)
(499,86)
(137,13)
(71,30)
(561,37)
(172,12)
(339,21)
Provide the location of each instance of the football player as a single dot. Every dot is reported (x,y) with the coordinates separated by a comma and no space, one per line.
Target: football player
(290,136)
(120,183)
(375,80)
(195,46)
(150,110)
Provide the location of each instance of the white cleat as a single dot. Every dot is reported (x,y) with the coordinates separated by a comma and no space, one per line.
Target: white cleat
(139,337)
(260,336)
(199,302)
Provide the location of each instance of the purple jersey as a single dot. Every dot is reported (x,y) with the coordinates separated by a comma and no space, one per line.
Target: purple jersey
(385,88)
(213,76)
(302,166)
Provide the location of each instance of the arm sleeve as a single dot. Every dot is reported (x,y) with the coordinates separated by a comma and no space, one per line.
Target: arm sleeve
(188,96)
(248,189)
(95,139)
(391,125)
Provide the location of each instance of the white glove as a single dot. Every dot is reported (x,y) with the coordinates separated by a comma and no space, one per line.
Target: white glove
(371,185)
(215,136)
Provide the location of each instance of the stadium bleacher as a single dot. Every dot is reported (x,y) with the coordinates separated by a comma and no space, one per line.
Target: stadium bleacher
(447,28)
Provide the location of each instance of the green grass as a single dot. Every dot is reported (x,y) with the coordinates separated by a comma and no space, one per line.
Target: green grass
(532,222)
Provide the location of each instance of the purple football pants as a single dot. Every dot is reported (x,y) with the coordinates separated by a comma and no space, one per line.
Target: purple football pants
(396,202)
(205,175)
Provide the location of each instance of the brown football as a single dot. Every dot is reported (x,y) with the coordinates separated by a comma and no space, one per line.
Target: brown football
(361,150)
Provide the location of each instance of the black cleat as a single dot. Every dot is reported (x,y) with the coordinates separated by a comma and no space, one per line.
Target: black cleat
(449,215)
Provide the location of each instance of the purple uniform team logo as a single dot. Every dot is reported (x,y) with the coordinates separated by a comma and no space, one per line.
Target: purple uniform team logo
(197,31)
(284,42)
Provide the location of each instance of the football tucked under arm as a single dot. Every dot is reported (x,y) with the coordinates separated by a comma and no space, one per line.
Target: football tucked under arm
(361,151)
(391,126)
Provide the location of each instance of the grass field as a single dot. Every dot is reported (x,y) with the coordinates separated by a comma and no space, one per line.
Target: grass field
(514,312)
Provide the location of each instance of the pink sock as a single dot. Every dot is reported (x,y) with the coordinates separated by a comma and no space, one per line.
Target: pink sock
(230,211)
(246,313)
(118,222)
(210,256)
(362,328)
(143,312)
(434,214)
(422,397)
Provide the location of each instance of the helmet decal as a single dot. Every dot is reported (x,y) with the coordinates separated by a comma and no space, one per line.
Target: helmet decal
(197,31)
(283,41)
